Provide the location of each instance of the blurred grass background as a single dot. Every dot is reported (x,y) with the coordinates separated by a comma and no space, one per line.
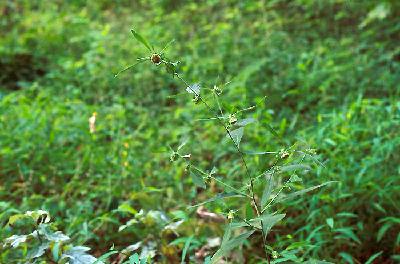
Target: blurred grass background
(330,72)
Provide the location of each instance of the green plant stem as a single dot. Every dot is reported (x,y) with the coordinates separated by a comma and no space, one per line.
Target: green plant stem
(251,187)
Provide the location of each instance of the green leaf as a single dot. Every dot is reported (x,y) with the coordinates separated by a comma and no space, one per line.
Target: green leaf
(373,257)
(268,221)
(236,135)
(185,248)
(329,222)
(141,39)
(267,189)
(15,240)
(219,197)
(126,208)
(347,257)
(15,218)
(134,259)
(383,230)
(348,233)
(229,245)
(301,192)
(105,256)
(197,179)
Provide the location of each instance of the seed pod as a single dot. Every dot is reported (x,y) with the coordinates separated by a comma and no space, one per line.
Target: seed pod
(156,59)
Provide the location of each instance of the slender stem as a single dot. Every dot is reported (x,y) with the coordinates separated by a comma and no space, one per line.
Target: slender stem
(251,189)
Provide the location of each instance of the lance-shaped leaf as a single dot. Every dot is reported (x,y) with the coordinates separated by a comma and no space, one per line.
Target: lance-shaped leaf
(141,39)
(230,244)
(246,121)
(219,197)
(301,192)
(267,189)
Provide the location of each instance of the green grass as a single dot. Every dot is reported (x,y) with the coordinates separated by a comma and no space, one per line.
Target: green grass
(330,73)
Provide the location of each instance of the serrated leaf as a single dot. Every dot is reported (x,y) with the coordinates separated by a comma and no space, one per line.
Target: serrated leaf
(197,179)
(301,192)
(141,39)
(229,245)
(236,135)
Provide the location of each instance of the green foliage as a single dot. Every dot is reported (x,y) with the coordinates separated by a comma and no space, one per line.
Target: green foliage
(321,75)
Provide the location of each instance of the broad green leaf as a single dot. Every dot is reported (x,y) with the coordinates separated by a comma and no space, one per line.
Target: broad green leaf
(219,197)
(373,257)
(141,39)
(229,245)
(185,248)
(134,259)
(347,257)
(268,221)
(301,192)
(197,179)
(236,135)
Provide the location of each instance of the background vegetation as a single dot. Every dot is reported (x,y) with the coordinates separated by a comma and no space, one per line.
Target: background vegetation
(330,73)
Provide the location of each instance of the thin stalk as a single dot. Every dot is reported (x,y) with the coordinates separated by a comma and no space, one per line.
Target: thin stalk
(251,189)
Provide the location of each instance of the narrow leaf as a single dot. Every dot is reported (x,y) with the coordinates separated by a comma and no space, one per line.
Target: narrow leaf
(373,257)
(301,192)
(267,189)
(185,248)
(141,39)
(219,197)
(347,257)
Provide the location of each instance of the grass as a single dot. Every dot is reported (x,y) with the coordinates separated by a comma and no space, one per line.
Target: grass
(329,71)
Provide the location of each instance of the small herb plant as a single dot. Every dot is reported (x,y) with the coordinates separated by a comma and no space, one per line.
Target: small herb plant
(275,182)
